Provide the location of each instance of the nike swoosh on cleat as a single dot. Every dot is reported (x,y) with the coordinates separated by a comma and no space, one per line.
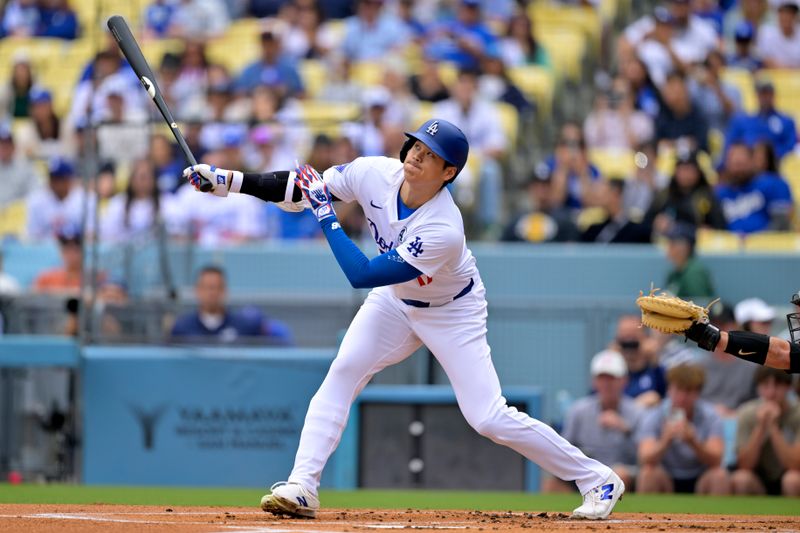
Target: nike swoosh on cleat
(375,206)
(745,353)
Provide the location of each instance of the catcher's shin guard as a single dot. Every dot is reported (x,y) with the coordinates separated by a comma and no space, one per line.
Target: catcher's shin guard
(705,335)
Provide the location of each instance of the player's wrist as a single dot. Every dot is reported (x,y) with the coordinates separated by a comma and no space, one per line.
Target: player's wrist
(705,335)
(325,212)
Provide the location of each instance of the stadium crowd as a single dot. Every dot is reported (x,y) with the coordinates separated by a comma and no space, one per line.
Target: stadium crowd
(670,417)
(667,138)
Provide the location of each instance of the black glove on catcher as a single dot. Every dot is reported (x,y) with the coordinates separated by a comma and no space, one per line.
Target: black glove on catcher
(705,335)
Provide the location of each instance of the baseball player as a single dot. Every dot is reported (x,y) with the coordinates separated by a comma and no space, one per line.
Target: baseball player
(756,347)
(426,289)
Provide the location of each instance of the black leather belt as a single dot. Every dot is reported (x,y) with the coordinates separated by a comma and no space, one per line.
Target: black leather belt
(464,292)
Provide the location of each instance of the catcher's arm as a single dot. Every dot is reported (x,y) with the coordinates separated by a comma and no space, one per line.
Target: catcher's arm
(754,347)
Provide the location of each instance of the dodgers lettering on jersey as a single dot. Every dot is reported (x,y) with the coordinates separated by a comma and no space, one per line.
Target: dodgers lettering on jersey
(431,239)
(748,208)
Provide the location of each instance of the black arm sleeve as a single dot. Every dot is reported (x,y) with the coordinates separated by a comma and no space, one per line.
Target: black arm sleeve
(794,358)
(269,186)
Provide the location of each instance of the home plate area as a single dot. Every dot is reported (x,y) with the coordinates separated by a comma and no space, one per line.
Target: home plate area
(125,519)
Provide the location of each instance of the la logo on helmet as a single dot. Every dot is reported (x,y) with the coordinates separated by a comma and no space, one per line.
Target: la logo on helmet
(433,128)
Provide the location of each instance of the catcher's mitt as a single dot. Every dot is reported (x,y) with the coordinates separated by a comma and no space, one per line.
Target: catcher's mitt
(670,314)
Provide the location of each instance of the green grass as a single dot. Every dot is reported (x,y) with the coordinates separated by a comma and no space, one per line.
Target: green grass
(394,499)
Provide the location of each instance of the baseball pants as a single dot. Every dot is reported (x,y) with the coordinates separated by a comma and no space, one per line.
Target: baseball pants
(384,332)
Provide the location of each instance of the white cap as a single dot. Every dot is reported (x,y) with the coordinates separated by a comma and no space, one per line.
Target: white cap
(609,362)
(753,310)
(377,96)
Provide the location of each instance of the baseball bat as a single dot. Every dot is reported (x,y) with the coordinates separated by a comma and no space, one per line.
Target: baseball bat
(130,48)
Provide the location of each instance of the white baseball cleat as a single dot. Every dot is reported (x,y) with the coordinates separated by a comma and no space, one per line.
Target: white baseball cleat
(291,499)
(598,502)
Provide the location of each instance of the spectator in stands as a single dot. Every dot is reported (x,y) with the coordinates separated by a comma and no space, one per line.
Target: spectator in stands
(765,160)
(646,382)
(656,49)
(688,198)
(464,40)
(754,315)
(58,208)
(496,85)
(17,174)
(167,165)
(616,227)
(339,86)
(645,94)
(415,27)
(744,54)
(520,47)
(274,69)
(754,13)
(603,424)
(305,37)
(199,19)
(779,44)
(427,85)
(373,32)
(20,18)
(709,11)
(614,122)
(191,79)
(767,438)
(690,41)
(370,134)
(681,440)
(689,277)
(137,212)
(646,181)
(679,120)
(15,95)
(727,377)
(64,279)
(575,179)
(766,124)
(214,322)
(106,185)
(157,18)
(480,122)
(57,19)
(716,99)
(285,116)
(543,220)
(752,202)
(40,138)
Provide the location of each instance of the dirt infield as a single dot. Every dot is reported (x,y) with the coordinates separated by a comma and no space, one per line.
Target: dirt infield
(130,519)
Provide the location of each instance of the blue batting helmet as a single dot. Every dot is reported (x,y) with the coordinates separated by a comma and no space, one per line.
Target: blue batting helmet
(444,139)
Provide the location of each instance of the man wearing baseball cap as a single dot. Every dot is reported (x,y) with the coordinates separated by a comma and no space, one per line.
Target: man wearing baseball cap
(57,208)
(602,424)
(744,54)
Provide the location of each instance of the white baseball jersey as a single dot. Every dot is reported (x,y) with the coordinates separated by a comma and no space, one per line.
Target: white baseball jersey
(431,239)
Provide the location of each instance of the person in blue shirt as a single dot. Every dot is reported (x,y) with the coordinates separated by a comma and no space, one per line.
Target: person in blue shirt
(158,17)
(647,383)
(574,177)
(57,20)
(767,123)
(744,55)
(373,32)
(463,41)
(752,202)
(273,69)
(213,322)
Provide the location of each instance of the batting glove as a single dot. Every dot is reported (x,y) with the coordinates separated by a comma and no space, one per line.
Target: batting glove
(220,178)
(316,192)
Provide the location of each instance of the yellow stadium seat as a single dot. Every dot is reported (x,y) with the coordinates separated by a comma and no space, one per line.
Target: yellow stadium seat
(509,120)
(367,73)
(323,117)
(773,241)
(234,55)
(710,240)
(313,73)
(790,170)
(613,163)
(423,112)
(566,48)
(586,20)
(12,219)
(743,81)
(537,83)
(154,50)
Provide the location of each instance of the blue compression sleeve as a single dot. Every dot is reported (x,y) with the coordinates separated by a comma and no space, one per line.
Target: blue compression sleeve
(364,273)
